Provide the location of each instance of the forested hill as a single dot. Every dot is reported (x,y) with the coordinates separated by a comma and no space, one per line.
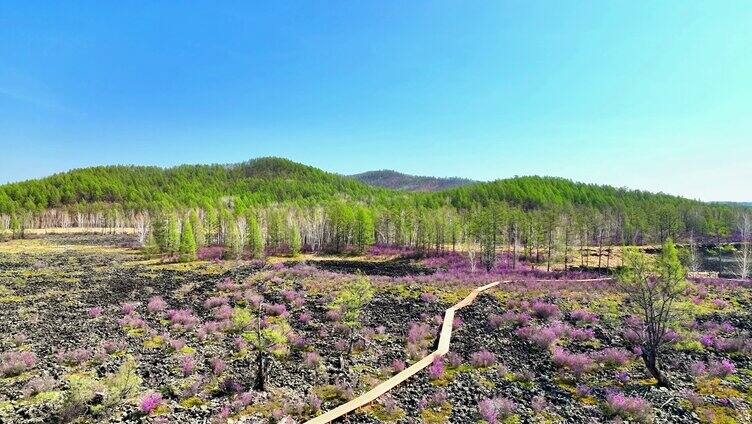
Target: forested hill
(399,181)
(259,181)
(267,181)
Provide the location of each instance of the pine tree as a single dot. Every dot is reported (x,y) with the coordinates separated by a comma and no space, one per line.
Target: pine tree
(198,229)
(654,291)
(363,233)
(187,242)
(15,227)
(233,249)
(173,235)
(294,240)
(158,231)
(151,247)
(254,238)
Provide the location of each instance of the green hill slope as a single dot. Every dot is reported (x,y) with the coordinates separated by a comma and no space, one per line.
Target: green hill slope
(267,181)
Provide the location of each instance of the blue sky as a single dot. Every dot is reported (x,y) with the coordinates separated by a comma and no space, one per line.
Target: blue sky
(654,97)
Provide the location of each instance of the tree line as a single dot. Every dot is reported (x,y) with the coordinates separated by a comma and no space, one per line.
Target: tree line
(292,208)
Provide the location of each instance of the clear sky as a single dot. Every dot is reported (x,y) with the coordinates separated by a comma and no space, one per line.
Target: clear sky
(655,97)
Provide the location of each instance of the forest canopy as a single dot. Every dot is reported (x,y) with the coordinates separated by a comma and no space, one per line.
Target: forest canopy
(276,182)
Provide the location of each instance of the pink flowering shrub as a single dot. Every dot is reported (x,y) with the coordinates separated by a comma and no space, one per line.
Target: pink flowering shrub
(14,363)
(253,299)
(720,304)
(132,322)
(276,309)
(127,308)
(218,366)
(495,410)
(223,313)
(156,304)
(419,337)
(398,365)
(428,297)
(628,407)
(312,360)
(436,369)
(239,344)
(454,359)
(95,312)
(216,301)
(209,253)
(544,311)
(230,386)
(73,357)
(542,337)
(341,345)
(515,319)
(187,365)
(583,316)
(333,315)
(722,368)
(576,363)
(209,330)
(482,359)
(612,357)
(581,334)
(296,340)
(304,317)
(182,318)
(38,385)
(111,346)
(150,403)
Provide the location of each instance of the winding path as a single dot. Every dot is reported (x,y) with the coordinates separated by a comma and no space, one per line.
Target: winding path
(381,389)
(443,348)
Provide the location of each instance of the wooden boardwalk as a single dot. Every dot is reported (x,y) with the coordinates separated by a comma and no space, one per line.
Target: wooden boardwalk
(443,348)
(384,387)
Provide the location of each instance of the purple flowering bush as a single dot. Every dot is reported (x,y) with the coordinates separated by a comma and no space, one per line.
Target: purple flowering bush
(628,407)
(14,363)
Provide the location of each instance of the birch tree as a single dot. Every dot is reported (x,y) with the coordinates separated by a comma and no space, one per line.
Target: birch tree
(744,254)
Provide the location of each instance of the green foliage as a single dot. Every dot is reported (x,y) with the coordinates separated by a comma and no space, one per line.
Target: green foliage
(654,291)
(233,246)
(241,320)
(352,209)
(363,231)
(172,237)
(294,240)
(151,246)
(198,229)
(272,338)
(115,388)
(187,242)
(254,238)
(351,300)
(670,270)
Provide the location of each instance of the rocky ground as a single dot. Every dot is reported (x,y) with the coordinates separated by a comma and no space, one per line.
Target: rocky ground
(105,351)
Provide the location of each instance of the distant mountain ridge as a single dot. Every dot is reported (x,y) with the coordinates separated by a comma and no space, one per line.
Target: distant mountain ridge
(398,181)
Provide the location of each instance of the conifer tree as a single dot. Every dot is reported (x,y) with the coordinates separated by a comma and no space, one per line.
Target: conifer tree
(173,234)
(151,247)
(254,238)
(187,242)
(233,249)
(198,229)
(363,232)
(15,227)
(654,291)
(294,240)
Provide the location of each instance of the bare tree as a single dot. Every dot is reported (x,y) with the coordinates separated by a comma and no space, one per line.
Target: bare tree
(693,256)
(744,254)
(653,291)
(471,256)
(141,225)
